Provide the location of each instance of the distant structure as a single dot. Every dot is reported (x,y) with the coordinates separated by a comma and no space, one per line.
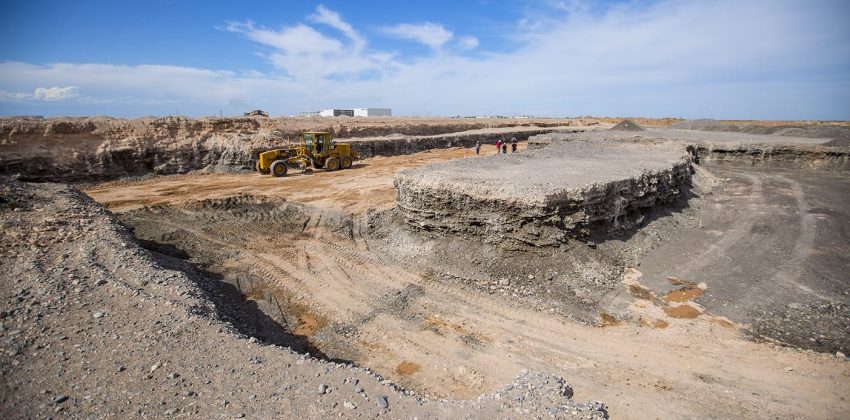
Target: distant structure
(336,112)
(257,113)
(350,112)
(373,112)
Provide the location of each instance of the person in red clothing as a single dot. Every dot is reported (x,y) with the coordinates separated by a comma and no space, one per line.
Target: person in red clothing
(498,146)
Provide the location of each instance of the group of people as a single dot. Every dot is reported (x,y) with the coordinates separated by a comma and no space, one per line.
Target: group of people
(501,146)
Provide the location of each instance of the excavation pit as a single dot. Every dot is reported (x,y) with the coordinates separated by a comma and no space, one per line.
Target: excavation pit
(544,197)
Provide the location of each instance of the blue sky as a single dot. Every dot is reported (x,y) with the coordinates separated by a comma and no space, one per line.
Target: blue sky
(687,58)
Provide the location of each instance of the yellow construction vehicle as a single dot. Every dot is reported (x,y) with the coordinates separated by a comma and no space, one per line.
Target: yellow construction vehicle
(314,149)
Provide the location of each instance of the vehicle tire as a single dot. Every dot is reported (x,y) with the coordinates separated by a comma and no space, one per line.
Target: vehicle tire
(279,168)
(332,164)
(345,162)
(260,170)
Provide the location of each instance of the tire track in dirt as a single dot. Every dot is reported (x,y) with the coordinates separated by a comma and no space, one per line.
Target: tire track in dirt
(427,332)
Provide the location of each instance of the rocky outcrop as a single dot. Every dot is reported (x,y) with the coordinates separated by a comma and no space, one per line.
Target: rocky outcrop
(809,157)
(715,148)
(544,197)
(106,148)
(89,318)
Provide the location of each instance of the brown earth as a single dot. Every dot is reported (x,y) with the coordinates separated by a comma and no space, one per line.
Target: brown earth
(321,263)
(94,326)
(83,149)
(367,185)
(393,314)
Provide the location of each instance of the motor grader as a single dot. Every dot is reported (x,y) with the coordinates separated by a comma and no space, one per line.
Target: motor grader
(314,149)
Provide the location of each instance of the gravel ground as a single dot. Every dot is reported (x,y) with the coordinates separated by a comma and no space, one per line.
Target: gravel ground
(92,325)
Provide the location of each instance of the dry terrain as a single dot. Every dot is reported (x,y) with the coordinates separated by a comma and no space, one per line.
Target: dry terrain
(236,294)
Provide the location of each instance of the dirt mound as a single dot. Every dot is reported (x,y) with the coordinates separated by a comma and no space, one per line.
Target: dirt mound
(726,148)
(826,131)
(93,325)
(627,125)
(844,142)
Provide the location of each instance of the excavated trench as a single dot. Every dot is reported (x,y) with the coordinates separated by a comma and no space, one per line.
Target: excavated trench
(100,149)
(558,241)
(344,287)
(442,293)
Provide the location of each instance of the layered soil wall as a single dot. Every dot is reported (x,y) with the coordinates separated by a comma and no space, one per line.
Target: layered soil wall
(545,197)
(709,148)
(104,148)
(773,156)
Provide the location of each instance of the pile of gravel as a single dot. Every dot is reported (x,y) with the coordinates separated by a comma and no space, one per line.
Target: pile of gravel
(627,125)
(93,325)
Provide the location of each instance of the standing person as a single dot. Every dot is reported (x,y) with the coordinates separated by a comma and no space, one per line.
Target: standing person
(505,149)
(498,146)
(477,147)
(513,144)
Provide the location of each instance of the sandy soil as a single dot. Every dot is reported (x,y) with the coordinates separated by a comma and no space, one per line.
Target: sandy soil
(368,184)
(94,326)
(326,281)
(785,233)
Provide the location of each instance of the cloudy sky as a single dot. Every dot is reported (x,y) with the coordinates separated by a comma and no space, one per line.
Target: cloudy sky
(695,59)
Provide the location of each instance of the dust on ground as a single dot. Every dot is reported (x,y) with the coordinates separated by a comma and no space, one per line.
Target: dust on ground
(367,185)
(92,325)
(451,340)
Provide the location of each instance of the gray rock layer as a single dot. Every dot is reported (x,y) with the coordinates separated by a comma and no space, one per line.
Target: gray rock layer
(104,148)
(544,198)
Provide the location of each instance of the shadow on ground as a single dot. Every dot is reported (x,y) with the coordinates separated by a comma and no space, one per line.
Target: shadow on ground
(232,305)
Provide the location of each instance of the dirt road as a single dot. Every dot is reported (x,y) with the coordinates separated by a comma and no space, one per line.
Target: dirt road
(368,184)
(774,248)
(312,269)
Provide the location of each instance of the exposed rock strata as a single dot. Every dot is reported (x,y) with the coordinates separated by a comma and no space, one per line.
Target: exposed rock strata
(105,148)
(94,325)
(544,197)
(726,148)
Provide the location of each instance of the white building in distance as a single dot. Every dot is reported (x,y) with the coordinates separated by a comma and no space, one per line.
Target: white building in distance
(373,112)
(351,112)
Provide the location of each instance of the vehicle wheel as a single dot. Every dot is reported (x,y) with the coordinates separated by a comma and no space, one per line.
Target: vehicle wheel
(279,168)
(260,170)
(345,162)
(332,164)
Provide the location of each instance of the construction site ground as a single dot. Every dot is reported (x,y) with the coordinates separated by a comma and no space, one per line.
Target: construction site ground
(295,247)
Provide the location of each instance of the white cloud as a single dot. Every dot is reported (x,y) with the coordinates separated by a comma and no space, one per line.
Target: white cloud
(334,20)
(433,35)
(308,55)
(56,93)
(298,39)
(467,42)
(51,94)
(727,58)
(15,96)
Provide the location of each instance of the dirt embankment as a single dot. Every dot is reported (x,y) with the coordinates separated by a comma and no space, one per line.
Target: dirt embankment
(446,314)
(838,133)
(104,148)
(570,190)
(718,148)
(93,325)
